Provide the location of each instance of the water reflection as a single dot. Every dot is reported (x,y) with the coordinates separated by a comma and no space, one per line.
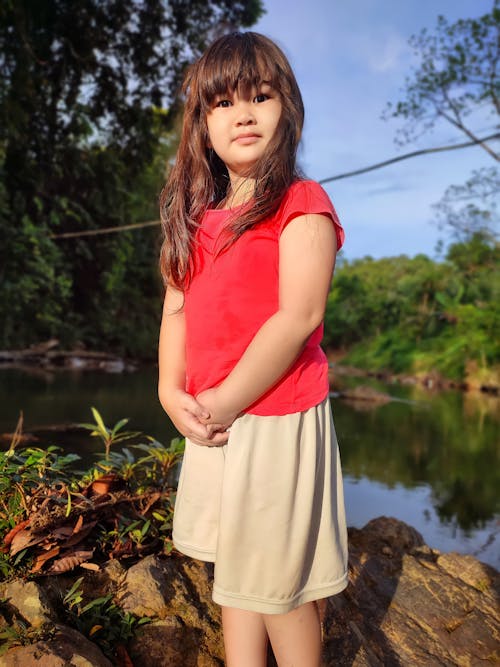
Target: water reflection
(428,459)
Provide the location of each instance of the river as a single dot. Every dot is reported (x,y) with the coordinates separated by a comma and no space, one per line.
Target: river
(430,459)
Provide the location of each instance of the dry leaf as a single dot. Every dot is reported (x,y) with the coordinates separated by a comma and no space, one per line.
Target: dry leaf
(78,524)
(90,566)
(23,539)
(13,532)
(43,558)
(62,533)
(69,562)
(152,500)
(94,629)
(81,535)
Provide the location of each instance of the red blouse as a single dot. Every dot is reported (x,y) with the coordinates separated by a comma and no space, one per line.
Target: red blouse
(232,294)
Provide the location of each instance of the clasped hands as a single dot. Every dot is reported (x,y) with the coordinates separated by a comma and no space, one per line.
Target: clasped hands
(202,419)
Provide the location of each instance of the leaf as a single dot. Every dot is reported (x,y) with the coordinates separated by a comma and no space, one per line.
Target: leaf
(94,629)
(73,589)
(43,558)
(69,562)
(24,539)
(99,421)
(145,528)
(90,566)
(78,524)
(96,603)
(118,426)
(13,532)
(78,537)
(62,532)
(20,556)
(68,507)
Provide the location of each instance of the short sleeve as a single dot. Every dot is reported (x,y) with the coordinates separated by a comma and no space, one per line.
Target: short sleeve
(309,197)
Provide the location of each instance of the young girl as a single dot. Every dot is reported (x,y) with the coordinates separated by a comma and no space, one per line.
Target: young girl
(248,256)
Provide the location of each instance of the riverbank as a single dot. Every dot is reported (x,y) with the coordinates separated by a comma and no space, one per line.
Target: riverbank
(406,604)
(47,356)
(429,379)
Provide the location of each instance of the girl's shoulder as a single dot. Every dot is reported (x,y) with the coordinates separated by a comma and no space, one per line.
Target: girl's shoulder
(307,192)
(305,196)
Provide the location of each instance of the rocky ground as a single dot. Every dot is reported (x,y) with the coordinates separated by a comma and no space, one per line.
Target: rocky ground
(405,605)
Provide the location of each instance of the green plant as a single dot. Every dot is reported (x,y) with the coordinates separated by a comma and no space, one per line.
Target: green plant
(109,436)
(26,476)
(15,632)
(54,519)
(101,620)
(20,634)
(160,460)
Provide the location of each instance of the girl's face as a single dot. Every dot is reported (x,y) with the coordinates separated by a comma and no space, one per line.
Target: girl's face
(240,128)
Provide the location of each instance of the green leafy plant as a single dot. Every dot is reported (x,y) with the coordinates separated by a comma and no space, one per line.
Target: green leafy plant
(100,619)
(109,436)
(53,518)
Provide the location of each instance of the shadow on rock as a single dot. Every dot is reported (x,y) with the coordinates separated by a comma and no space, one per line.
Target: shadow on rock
(409,605)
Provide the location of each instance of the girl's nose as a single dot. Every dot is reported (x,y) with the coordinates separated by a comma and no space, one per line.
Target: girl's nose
(244,114)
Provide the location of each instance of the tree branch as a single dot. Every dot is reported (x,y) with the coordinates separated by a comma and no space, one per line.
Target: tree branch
(471,135)
(338,177)
(407,156)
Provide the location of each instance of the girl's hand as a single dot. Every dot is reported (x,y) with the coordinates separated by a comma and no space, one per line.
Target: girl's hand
(190,418)
(220,419)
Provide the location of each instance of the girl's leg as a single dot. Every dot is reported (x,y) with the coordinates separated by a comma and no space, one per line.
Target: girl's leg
(245,638)
(296,636)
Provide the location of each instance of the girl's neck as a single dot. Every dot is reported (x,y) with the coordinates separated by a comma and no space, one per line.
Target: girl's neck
(239,192)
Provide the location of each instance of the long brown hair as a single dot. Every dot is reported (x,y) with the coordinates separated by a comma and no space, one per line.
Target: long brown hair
(199,178)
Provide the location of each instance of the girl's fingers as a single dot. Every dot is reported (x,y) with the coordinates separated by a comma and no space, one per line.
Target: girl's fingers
(202,435)
(219,439)
(216,428)
(195,428)
(191,405)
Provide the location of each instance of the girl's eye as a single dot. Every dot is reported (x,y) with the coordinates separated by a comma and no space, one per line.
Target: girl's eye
(261,97)
(223,103)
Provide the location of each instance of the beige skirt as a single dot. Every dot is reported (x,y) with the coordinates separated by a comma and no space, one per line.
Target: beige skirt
(268,509)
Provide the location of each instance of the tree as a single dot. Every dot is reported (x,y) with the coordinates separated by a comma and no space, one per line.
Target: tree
(87,96)
(471,208)
(457,77)
(457,82)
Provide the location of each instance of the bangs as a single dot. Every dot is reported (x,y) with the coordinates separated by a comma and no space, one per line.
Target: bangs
(238,62)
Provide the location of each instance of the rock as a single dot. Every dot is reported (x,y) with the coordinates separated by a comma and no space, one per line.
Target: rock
(27,602)
(68,648)
(365,394)
(409,605)
(406,605)
(170,643)
(144,589)
(177,591)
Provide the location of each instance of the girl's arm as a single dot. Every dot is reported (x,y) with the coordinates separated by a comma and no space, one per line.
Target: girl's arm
(307,251)
(182,408)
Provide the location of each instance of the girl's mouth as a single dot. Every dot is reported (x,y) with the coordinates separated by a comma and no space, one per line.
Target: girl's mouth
(247,138)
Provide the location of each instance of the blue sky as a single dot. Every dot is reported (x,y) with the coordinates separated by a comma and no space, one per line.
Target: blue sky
(350,59)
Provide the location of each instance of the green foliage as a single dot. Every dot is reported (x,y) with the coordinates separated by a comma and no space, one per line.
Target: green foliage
(34,480)
(87,123)
(100,619)
(109,436)
(18,633)
(416,315)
